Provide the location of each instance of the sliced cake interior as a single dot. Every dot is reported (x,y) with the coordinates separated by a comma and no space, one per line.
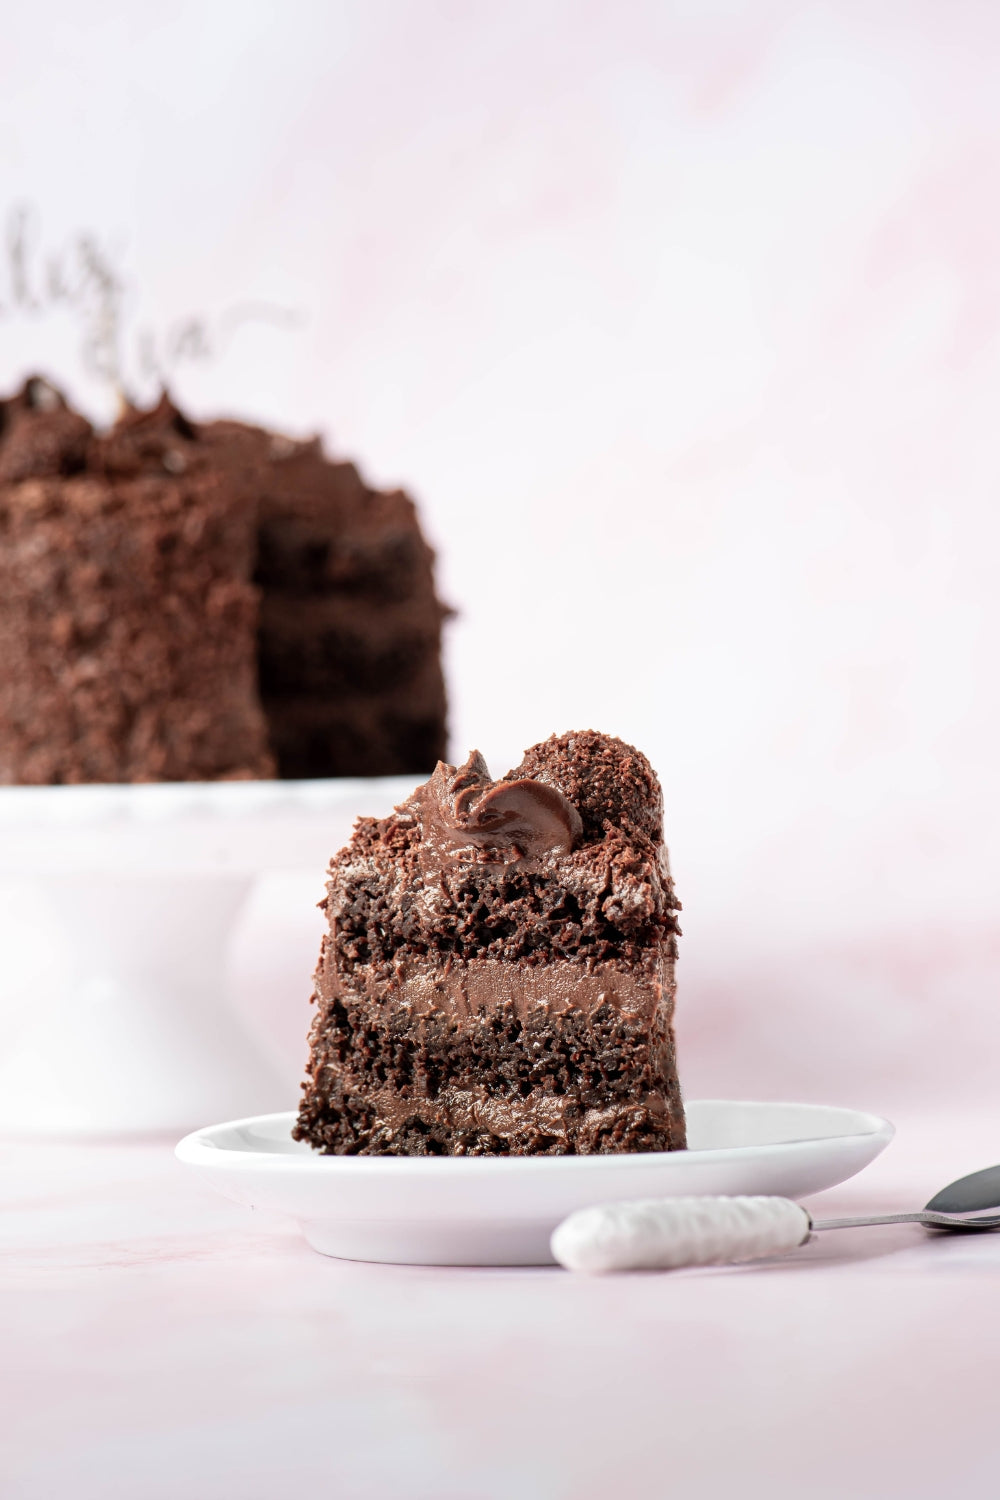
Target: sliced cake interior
(498,975)
(349,630)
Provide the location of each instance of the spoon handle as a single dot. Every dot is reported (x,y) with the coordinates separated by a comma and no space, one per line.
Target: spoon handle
(926,1216)
(917,1218)
(664,1233)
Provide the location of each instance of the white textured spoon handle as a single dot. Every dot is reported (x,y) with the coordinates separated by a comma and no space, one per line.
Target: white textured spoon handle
(663,1233)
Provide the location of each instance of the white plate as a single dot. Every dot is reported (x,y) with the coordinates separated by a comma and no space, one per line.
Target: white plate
(501,1210)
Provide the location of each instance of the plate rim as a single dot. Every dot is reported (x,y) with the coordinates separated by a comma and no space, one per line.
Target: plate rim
(195,1151)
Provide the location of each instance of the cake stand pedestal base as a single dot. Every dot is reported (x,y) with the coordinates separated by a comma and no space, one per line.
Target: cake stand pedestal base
(123,1028)
(134,1036)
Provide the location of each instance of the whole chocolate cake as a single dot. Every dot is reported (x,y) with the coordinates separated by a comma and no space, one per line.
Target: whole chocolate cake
(291,624)
(498,977)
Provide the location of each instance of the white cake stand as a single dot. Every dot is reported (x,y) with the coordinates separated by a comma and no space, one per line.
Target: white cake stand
(126,1029)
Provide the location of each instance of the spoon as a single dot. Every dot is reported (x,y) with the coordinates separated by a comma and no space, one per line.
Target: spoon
(662,1233)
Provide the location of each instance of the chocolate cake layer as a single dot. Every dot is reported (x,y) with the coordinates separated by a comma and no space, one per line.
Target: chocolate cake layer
(499,971)
(335,644)
(384,560)
(388,734)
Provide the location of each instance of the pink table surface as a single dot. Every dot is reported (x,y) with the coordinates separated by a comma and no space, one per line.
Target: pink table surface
(159,1341)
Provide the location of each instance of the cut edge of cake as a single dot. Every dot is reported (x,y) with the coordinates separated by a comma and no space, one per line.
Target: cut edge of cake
(498,973)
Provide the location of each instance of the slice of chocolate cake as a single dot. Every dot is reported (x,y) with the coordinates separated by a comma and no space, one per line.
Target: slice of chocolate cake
(498,977)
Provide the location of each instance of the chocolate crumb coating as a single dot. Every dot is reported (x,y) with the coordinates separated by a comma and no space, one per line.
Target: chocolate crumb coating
(498,974)
(127,624)
(607,780)
(40,437)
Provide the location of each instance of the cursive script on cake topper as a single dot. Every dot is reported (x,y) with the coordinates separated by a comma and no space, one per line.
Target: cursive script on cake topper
(84,277)
(467,817)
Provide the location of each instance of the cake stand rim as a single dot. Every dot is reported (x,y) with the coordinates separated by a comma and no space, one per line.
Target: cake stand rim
(22,805)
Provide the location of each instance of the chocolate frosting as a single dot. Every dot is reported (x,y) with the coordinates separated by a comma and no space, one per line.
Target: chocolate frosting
(466,817)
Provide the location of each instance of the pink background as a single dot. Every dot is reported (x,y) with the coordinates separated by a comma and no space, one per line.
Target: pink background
(682,322)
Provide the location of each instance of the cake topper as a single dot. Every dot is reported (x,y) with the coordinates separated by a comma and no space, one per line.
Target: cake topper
(85,277)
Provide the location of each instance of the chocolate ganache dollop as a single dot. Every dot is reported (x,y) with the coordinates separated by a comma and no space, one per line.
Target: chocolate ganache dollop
(467,817)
